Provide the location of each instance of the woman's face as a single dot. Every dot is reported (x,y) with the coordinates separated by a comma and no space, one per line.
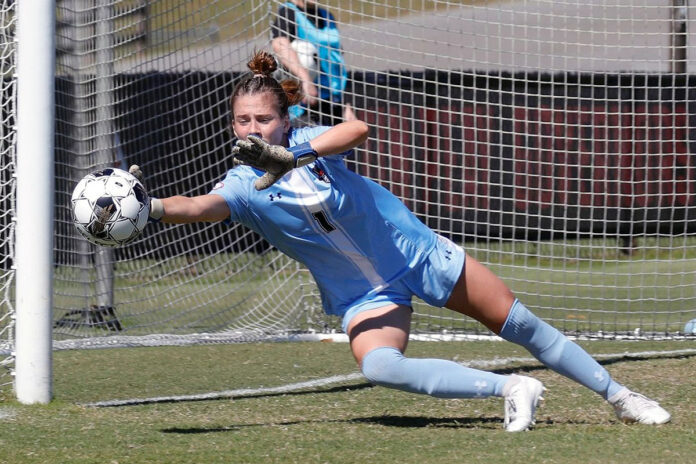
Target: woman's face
(258,115)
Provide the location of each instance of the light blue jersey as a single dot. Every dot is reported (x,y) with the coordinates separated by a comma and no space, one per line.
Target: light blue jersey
(353,235)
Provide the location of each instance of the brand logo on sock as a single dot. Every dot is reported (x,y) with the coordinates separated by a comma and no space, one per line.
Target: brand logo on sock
(599,375)
(480,385)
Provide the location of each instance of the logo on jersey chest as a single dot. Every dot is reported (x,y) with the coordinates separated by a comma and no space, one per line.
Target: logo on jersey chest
(320,173)
(275,196)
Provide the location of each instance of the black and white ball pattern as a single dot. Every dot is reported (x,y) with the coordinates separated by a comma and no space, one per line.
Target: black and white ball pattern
(110,207)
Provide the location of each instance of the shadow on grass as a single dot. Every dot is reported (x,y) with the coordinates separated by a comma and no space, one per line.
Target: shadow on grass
(417,422)
(412,422)
(386,421)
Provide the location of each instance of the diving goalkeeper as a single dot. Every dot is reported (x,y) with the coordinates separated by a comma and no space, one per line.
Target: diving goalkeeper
(370,255)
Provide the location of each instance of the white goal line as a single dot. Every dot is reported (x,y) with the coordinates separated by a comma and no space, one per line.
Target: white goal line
(246,392)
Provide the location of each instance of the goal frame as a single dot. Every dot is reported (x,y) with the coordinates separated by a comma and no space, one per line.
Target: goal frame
(34,201)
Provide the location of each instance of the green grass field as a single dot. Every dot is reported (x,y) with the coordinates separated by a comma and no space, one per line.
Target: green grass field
(580,285)
(344,422)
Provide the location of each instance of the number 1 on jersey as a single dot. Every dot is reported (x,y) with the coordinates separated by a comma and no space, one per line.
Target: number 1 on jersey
(323,221)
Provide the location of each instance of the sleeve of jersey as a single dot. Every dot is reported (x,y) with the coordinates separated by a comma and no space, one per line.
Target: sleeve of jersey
(305,134)
(233,189)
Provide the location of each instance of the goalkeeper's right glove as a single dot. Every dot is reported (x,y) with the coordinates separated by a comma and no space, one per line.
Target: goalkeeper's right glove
(156,206)
(276,160)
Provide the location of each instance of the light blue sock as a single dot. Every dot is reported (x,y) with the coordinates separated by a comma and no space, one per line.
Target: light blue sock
(386,366)
(553,349)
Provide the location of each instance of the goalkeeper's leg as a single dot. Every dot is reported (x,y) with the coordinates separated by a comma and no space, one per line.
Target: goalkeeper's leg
(567,358)
(378,339)
(482,295)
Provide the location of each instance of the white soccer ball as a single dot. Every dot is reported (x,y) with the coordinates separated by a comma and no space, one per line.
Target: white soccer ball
(110,207)
(307,54)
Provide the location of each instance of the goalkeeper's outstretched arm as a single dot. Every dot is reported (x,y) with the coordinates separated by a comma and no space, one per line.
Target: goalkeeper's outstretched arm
(184,210)
(204,208)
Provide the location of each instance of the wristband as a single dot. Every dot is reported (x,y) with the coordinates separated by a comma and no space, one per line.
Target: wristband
(303,153)
(156,209)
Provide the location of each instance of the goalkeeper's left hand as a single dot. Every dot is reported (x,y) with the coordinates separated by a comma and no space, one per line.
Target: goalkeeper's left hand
(156,206)
(276,160)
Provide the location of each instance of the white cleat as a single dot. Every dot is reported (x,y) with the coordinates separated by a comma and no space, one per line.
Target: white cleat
(633,407)
(522,395)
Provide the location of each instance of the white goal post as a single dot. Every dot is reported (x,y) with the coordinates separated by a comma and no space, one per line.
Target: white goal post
(33,253)
(554,140)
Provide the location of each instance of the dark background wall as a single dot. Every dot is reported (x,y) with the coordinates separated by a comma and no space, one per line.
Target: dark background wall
(534,156)
(525,156)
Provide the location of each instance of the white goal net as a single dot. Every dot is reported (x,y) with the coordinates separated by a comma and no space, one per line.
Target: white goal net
(551,139)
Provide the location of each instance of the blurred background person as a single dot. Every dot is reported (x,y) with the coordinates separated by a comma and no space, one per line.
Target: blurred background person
(307,43)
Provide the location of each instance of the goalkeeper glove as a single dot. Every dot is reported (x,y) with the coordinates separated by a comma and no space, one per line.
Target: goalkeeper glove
(156,206)
(276,160)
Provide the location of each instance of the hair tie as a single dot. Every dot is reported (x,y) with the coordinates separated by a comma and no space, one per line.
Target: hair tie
(259,75)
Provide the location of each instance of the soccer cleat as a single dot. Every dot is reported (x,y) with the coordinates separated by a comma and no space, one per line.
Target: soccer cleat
(522,395)
(633,407)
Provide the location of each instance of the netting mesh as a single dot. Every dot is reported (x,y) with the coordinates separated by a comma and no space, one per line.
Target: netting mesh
(552,139)
(137,84)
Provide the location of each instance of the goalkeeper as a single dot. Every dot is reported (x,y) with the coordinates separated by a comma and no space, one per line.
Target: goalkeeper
(370,255)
